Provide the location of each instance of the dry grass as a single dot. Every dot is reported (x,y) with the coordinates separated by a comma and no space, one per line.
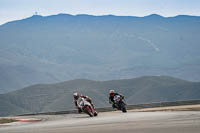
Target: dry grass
(6,120)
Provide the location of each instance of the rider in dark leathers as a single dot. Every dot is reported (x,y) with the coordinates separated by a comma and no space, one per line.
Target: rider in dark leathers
(112,94)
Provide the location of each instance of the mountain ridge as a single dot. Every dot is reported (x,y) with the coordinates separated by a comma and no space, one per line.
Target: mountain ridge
(59,96)
(64,47)
(109,15)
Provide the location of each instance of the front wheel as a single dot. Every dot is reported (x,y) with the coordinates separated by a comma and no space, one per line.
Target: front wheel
(88,111)
(95,113)
(123,108)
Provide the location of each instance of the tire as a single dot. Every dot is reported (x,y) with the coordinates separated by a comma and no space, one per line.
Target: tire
(88,111)
(90,114)
(123,108)
(95,113)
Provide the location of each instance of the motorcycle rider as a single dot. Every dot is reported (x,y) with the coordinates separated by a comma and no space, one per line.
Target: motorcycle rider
(77,98)
(112,94)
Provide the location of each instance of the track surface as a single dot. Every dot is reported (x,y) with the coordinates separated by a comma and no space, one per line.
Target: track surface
(112,122)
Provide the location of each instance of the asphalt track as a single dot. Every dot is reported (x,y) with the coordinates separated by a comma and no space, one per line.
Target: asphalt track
(111,122)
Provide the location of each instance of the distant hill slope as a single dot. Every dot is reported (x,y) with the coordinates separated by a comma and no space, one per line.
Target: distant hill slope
(59,96)
(63,47)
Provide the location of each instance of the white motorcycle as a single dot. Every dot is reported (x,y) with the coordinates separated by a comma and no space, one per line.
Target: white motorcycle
(86,107)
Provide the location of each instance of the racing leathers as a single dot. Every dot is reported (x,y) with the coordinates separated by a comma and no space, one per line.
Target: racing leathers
(111,99)
(77,101)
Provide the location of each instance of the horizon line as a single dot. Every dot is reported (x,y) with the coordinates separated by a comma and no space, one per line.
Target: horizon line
(101,16)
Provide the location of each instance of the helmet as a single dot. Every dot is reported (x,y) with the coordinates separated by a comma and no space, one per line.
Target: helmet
(111,92)
(76,95)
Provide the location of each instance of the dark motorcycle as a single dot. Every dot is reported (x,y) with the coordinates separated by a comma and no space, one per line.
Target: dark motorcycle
(120,103)
(87,108)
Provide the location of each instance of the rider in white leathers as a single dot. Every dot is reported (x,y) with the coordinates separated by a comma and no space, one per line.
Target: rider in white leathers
(78,99)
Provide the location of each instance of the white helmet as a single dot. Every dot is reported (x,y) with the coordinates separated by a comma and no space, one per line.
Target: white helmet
(76,95)
(111,91)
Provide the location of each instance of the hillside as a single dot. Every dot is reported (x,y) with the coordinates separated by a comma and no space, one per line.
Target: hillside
(63,47)
(58,97)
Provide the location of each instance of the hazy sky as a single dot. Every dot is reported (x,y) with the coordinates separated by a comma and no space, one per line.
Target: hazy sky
(18,9)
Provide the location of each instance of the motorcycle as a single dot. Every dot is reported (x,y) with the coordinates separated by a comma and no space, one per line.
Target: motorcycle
(87,108)
(120,103)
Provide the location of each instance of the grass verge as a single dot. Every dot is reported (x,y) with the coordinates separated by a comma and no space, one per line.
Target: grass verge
(6,120)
